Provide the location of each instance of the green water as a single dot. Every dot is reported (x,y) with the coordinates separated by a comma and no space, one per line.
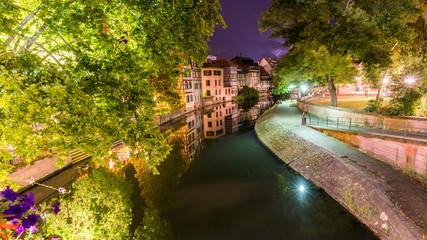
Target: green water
(232,187)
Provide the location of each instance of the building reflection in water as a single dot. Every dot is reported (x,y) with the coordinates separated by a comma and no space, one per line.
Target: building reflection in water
(211,123)
(188,137)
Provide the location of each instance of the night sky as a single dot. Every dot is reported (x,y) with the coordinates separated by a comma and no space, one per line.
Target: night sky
(242,34)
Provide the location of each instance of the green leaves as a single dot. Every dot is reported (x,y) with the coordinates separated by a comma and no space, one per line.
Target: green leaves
(99,208)
(325,38)
(86,72)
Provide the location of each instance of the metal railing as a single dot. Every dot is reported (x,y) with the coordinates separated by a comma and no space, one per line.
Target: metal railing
(363,125)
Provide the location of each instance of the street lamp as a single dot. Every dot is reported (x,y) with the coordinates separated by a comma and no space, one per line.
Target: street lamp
(303,89)
(410,79)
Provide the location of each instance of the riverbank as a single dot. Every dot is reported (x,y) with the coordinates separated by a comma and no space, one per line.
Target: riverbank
(347,177)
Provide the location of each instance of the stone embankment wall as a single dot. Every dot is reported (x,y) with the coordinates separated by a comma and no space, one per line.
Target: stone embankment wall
(404,154)
(412,124)
(347,184)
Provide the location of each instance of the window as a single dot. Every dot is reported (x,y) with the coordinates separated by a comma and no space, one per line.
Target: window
(210,115)
(208,93)
(209,124)
(217,73)
(196,74)
(190,124)
(216,92)
(208,82)
(207,73)
(215,82)
(217,123)
(219,82)
(217,115)
(219,131)
(210,133)
(219,92)
(220,122)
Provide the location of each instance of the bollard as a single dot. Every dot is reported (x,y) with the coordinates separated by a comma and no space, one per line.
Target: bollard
(349,126)
(327,119)
(338,121)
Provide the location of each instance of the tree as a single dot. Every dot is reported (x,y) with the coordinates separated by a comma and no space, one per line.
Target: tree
(99,208)
(247,98)
(153,227)
(83,74)
(329,36)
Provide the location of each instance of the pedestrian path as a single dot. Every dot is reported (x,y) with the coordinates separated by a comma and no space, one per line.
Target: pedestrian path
(408,194)
(329,123)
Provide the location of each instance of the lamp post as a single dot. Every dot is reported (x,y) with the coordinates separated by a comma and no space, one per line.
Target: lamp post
(303,89)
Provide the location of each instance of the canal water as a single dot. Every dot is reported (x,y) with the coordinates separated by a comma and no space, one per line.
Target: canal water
(220,182)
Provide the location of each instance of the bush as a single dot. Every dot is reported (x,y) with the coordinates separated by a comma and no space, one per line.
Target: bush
(247,98)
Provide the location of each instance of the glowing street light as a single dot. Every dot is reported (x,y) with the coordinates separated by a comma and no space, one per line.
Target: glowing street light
(386,80)
(303,88)
(301,188)
(410,79)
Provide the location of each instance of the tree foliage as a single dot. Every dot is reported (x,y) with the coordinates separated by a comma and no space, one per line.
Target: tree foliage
(247,98)
(99,208)
(327,37)
(153,227)
(83,74)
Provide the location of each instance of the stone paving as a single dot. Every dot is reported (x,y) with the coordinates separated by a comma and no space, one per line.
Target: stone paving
(408,195)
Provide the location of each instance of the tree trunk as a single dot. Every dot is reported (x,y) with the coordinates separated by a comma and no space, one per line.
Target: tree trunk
(381,85)
(332,90)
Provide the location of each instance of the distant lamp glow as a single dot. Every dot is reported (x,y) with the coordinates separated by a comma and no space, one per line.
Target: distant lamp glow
(301,188)
(111,164)
(410,79)
(386,80)
(303,88)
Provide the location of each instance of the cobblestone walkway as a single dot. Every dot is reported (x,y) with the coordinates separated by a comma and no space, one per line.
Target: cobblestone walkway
(408,194)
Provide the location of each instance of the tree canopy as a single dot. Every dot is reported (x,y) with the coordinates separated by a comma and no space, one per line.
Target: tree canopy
(98,207)
(327,38)
(84,74)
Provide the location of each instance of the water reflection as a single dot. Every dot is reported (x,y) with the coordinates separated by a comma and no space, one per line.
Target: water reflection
(235,188)
(188,137)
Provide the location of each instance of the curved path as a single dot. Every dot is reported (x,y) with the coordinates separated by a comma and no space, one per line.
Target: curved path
(406,193)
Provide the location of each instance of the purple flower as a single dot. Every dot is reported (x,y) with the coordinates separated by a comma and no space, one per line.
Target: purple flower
(34,229)
(20,229)
(15,222)
(27,202)
(55,207)
(9,194)
(14,211)
(30,221)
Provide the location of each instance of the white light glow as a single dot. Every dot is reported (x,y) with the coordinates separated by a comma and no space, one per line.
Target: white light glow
(410,79)
(386,80)
(301,188)
(303,88)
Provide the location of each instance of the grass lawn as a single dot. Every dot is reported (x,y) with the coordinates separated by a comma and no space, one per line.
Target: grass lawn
(351,102)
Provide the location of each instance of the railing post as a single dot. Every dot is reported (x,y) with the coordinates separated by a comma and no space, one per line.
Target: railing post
(383,126)
(366,123)
(309,119)
(338,121)
(327,119)
(406,126)
(349,126)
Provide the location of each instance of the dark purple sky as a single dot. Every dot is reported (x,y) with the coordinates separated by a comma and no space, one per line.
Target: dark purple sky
(242,34)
